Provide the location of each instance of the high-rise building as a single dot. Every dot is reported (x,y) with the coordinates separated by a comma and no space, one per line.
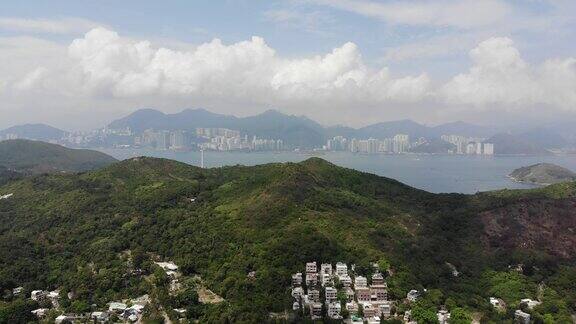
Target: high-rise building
(488,149)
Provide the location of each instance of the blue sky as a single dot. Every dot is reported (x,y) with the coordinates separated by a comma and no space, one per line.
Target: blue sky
(410,59)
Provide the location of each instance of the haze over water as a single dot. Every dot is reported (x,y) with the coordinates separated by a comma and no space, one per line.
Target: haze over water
(434,173)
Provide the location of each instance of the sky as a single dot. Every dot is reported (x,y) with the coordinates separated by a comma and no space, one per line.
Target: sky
(78,64)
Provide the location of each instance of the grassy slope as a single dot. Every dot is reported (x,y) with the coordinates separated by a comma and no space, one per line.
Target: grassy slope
(270,218)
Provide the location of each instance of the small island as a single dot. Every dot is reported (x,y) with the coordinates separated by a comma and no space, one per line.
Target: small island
(542,174)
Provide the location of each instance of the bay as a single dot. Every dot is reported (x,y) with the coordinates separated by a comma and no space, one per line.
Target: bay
(434,173)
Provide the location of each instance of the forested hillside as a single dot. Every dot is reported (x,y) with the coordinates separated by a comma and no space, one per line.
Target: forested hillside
(245,230)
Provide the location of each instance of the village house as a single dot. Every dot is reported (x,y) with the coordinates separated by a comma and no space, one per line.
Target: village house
(522,317)
(385,309)
(373,320)
(311,267)
(378,292)
(40,312)
(443,316)
(38,295)
(326,280)
(334,309)
(369,310)
(331,294)
(117,307)
(412,295)
(297,279)
(377,279)
(341,269)
(297,293)
(530,303)
(346,280)
(352,307)
(17,291)
(316,311)
(311,279)
(363,294)
(99,316)
(326,268)
(314,295)
(167,266)
(360,282)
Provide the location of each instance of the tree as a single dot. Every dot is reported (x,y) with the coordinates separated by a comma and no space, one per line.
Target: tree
(424,315)
(460,316)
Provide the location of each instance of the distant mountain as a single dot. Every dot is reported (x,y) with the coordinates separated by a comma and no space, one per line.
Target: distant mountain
(389,129)
(545,138)
(293,130)
(463,129)
(505,143)
(31,157)
(39,132)
(434,146)
(543,174)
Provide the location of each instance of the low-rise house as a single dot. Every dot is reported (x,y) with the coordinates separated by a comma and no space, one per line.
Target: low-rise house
(311,279)
(311,267)
(314,295)
(334,310)
(167,266)
(379,292)
(297,293)
(316,311)
(530,303)
(360,282)
(325,280)
(412,295)
(99,316)
(370,310)
(443,316)
(18,291)
(352,307)
(55,294)
(116,307)
(363,294)
(346,280)
(522,317)
(326,268)
(40,312)
(331,294)
(341,269)
(373,320)
(377,279)
(297,279)
(38,295)
(385,309)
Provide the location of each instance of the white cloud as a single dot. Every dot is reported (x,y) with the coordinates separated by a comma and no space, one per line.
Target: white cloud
(500,76)
(49,26)
(444,13)
(104,64)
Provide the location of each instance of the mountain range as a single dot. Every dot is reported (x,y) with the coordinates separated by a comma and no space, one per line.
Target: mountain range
(246,230)
(40,132)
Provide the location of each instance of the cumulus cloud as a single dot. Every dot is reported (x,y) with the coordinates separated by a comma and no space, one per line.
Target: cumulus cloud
(499,75)
(52,26)
(104,63)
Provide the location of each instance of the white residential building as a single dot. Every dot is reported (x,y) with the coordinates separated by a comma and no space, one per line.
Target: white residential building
(346,280)
(334,310)
(443,316)
(412,295)
(311,279)
(341,269)
(326,268)
(360,282)
(311,267)
(297,292)
(297,279)
(522,317)
(330,293)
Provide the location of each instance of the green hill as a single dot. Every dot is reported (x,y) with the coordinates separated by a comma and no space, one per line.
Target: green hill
(245,230)
(543,174)
(33,157)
